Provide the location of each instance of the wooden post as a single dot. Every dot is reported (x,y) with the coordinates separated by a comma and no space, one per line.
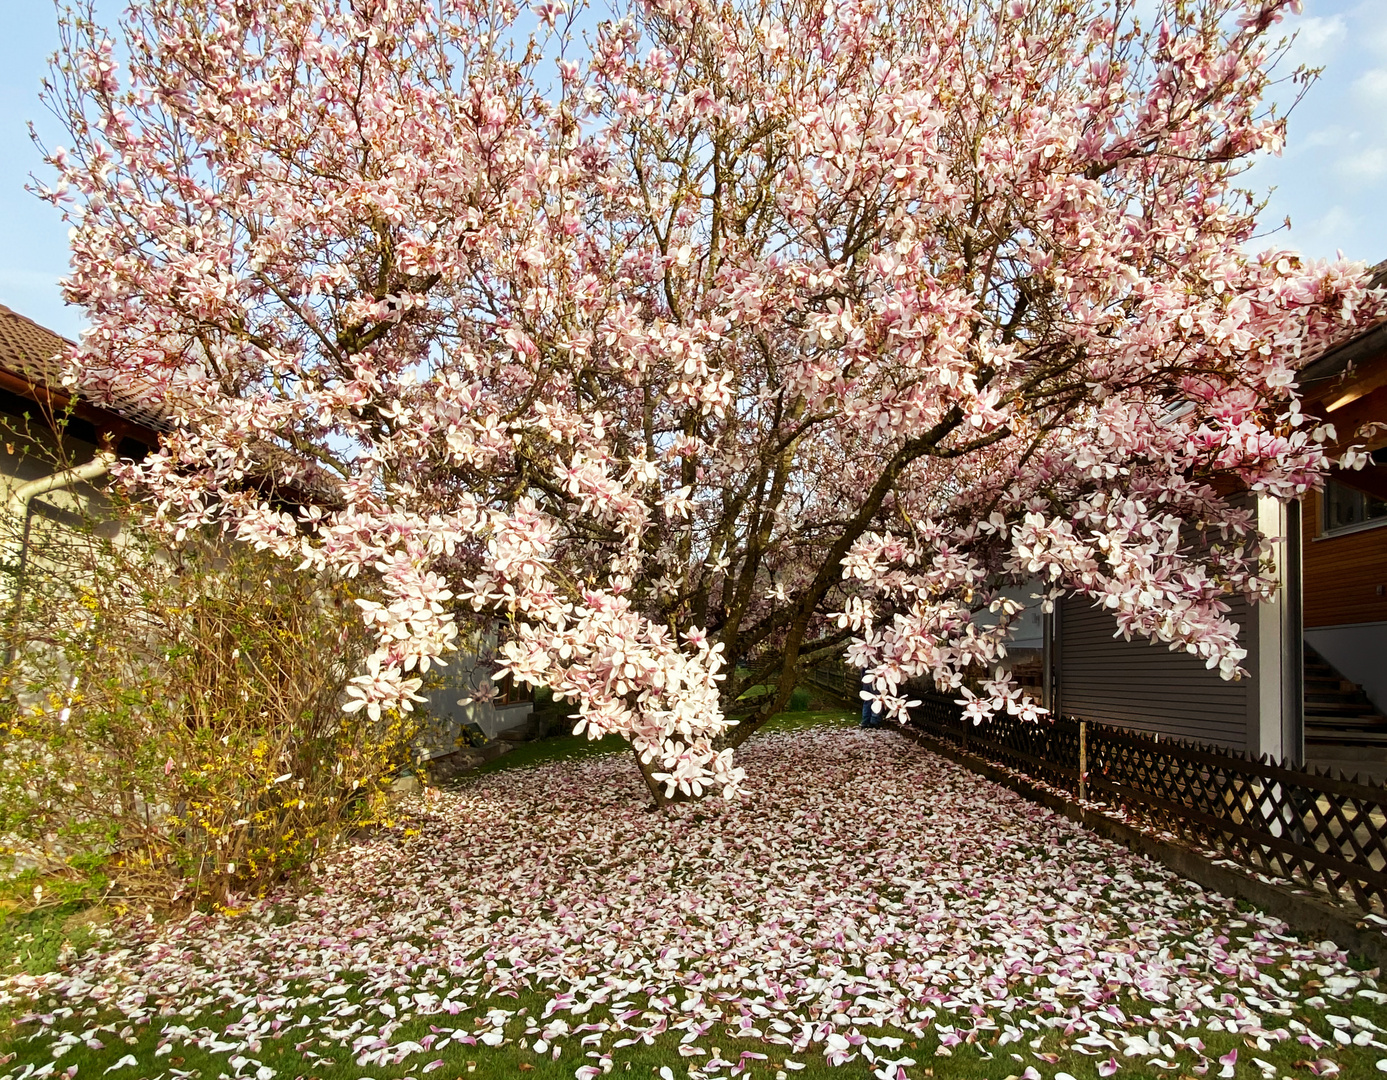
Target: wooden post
(1083,760)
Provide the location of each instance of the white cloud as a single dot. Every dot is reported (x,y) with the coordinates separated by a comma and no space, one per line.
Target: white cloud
(1371,87)
(1332,178)
(1365,166)
(1334,222)
(15,277)
(1320,236)
(1370,26)
(1317,38)
(1319,138)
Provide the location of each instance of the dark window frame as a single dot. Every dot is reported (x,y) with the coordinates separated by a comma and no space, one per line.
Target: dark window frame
(1346,509)
(508,693)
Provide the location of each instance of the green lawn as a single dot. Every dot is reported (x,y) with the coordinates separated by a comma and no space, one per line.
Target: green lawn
(557,748)
(31,940)
(284,1051)
(573,747)
(461,1037)
(162,1046)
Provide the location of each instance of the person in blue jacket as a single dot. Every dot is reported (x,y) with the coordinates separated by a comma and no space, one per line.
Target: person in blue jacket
(869,719)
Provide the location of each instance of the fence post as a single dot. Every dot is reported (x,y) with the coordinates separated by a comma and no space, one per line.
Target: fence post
(1083,760)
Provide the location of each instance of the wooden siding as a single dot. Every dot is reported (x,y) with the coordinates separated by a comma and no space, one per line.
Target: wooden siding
(1341,574)
(1147,687)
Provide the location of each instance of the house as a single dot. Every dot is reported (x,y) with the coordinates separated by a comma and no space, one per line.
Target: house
(1317,691)
(56,444)
(1137,684)
(1343,579)
(31,385)
(454,706)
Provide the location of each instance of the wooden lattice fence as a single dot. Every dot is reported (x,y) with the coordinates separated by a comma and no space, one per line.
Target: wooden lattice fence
(1318,831)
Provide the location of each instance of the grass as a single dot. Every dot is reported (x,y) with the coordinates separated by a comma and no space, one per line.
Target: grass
(557,748)
(283,1054)
(797,721)
(31,943)
(572,747)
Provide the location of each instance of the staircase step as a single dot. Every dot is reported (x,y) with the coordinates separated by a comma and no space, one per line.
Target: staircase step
(1356,719)
(1352,738)
(1323,685)
(1357,723)
(1339,702)
(1362,707)
(1329,731)
(1337,712)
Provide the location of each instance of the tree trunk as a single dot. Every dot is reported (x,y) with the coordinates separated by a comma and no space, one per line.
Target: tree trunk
(657,789)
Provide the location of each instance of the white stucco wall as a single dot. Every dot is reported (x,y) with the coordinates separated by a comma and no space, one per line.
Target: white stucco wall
(1028,631)
(450,704)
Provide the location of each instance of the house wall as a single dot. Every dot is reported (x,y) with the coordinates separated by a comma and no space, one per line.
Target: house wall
(449,707)
(1028,631)
(29,450)
(1342,574)
(1147,687)
(447,716)
(1345,617)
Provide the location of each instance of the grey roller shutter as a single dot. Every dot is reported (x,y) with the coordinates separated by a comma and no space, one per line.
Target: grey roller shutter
(1139,685)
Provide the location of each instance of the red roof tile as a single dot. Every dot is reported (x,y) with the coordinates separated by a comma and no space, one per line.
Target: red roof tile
(35,354)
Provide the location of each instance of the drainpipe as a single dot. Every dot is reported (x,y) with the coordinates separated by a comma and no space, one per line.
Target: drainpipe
(21,503)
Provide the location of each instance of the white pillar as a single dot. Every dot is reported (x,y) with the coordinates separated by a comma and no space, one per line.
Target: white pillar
(1268,624)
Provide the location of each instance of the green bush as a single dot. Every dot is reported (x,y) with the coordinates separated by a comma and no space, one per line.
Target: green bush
(170,719)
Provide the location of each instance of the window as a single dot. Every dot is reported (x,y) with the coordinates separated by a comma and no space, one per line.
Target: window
(507,693)
(1346,507)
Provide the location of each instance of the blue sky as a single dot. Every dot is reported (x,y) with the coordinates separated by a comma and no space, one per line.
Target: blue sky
(1331,181)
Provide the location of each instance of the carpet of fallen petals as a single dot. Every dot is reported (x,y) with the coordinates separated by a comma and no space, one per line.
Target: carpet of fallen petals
(865,902)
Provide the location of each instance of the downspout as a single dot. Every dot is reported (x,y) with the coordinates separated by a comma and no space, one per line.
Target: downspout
(21,503)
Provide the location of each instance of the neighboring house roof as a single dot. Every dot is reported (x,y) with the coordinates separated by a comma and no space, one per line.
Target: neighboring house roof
(1343,362)
(1347,386)
(31,365)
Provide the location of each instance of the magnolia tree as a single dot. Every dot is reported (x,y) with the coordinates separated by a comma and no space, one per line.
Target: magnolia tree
(696,343)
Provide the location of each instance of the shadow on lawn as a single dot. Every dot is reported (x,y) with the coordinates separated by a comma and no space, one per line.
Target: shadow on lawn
(571,747)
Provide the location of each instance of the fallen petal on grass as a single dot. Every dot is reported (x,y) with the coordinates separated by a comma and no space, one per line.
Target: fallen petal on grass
(865,899)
